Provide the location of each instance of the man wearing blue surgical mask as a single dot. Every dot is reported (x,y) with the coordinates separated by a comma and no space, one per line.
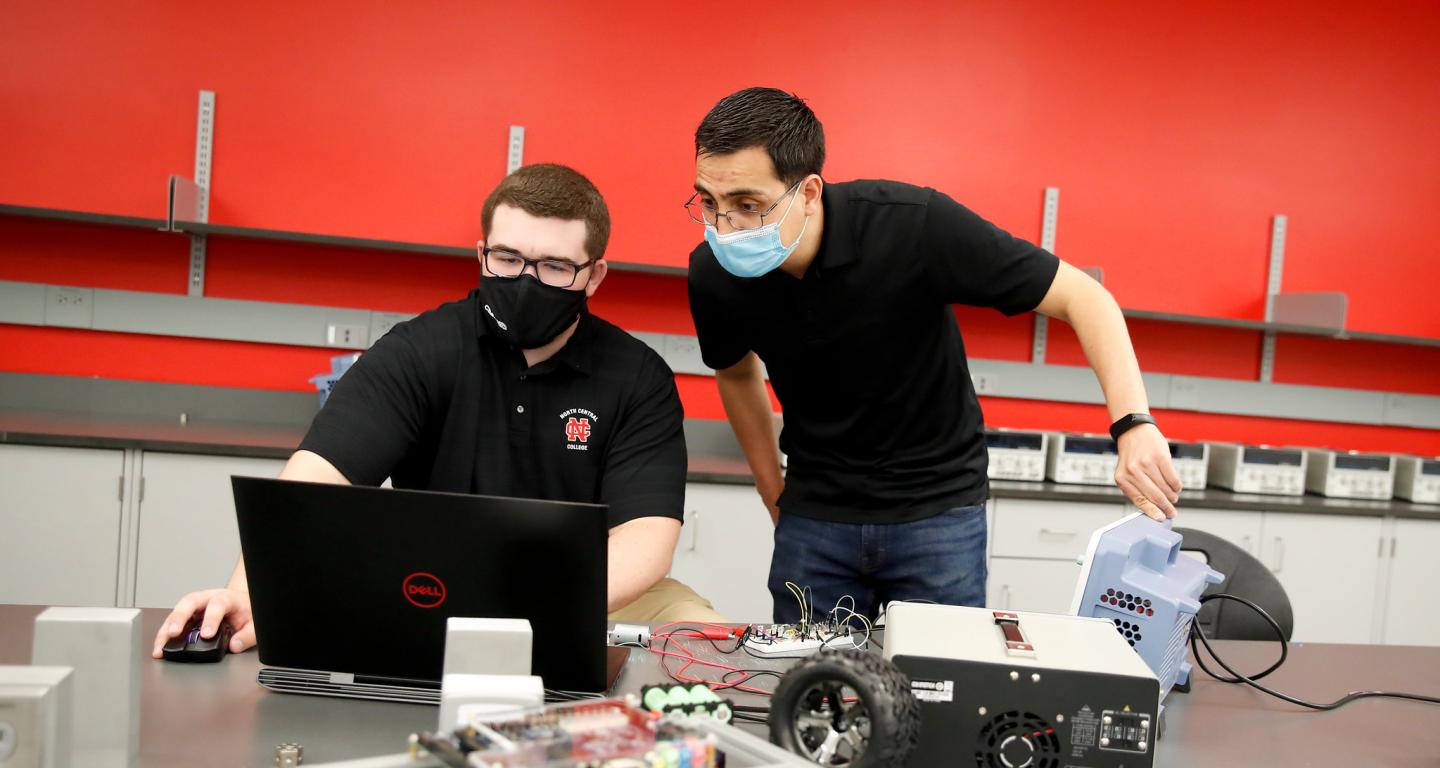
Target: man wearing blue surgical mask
(844,291)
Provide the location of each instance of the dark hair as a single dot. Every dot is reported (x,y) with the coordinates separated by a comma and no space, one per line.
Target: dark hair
(557,192)
(770,118)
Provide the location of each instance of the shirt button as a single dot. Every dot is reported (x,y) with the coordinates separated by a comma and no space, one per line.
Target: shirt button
(522,377)
(519,409)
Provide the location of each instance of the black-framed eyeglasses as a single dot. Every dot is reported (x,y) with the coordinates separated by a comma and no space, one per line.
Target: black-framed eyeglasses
(557,273)
(701,213)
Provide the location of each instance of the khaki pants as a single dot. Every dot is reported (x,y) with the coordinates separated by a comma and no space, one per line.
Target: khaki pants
(668,601)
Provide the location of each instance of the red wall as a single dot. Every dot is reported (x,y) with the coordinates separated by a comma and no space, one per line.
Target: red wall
(1173,133)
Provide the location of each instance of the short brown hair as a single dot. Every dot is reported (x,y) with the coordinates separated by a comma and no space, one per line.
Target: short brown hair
(554,191)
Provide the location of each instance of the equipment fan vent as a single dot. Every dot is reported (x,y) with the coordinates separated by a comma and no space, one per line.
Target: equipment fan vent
(1017,740)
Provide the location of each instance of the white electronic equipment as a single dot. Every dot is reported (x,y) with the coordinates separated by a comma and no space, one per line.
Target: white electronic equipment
(1016,455)
(1082,459)
(1192,464)
(102,646)
(1418,479)
(35,717)
(1350,475)
(1023,689)
(1258,469)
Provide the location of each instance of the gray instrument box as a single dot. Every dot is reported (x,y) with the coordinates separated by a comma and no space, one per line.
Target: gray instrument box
(1258,469)
(1349,475)
(1009,688)
(1418,479)
(1082,459)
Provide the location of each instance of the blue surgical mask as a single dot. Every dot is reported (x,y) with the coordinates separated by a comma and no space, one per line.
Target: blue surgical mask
(753,252)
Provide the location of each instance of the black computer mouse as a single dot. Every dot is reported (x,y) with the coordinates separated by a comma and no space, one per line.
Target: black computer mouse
(189,646)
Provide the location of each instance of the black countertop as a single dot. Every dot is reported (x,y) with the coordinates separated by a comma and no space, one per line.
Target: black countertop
(98,413)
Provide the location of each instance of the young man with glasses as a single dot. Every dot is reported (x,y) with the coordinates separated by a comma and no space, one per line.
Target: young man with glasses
(514,391)
(844,291)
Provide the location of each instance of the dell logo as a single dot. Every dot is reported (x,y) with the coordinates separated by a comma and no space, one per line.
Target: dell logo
(423,590)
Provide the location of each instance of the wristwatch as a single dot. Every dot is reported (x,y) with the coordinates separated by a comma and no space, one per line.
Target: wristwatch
(1128,422)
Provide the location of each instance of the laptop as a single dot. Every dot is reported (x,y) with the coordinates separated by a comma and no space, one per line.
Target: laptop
(351,586)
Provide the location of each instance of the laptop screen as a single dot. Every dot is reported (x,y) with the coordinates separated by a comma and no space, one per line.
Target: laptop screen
(361,580)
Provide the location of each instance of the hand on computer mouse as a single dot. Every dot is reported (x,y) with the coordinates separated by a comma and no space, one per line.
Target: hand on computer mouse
(212,606)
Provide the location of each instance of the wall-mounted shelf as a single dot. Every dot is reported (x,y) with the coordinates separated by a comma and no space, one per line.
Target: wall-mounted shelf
(256,233)
(84,217)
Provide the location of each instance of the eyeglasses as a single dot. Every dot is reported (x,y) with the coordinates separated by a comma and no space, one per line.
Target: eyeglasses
(740,218)
(557,273)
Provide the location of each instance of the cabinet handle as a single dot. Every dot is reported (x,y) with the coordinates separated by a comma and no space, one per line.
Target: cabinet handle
(1005,596)
(1392,546)
(694,529)
(1380,547)
(1057,534)
(142,490)
(1247,544)
(1279,554)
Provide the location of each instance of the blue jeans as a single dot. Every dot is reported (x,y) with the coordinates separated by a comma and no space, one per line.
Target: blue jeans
(940,558)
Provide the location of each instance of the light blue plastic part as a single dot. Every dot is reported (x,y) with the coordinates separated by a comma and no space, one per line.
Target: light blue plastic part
(339,364)
(1135,576)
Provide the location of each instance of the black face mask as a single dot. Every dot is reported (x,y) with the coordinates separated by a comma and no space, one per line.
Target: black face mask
(527,312)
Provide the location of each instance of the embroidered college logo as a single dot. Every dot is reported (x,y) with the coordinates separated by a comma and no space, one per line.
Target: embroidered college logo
(579,425)
(423,590)
(577,429)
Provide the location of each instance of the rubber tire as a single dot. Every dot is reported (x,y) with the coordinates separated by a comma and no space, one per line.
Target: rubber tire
(894,712)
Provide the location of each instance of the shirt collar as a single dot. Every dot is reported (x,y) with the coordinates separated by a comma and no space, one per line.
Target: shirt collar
(837,246)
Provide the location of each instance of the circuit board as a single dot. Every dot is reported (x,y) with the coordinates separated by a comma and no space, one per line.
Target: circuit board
(781,641)
(608,733)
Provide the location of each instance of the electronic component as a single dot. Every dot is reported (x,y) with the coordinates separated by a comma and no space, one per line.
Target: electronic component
(1135,577)
(687,701)
(1192,464)
(1082,459)
(607,732)
(1350,475)
(782,641)
(1023,689)
(1258,469)
(102,646)
(1017,455)
(36,707)
(629,634)
(1417,479)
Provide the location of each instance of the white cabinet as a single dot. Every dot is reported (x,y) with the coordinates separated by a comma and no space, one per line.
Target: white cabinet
(187,538)
(1046,586)
(59,525)
(724,550)
(1049,530)
(1411,615)
(1330,568)
(1243,529)
(1034,546)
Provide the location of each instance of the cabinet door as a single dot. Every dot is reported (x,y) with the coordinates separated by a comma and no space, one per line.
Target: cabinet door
(1016,584)
(1050,530)
(188,539)
(724,550)
(1411,617)
(60,518)
(1243,529)
(1330,568)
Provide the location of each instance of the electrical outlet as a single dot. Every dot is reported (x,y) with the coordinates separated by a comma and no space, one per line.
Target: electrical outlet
(682,353)
(382,322)
(69,307)
(347,336)
(984,383)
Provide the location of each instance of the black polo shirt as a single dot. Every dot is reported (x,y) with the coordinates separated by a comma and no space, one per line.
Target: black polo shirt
(864,353)
(440,403)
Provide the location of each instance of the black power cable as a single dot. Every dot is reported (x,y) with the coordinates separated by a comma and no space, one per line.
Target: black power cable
(1196,633)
